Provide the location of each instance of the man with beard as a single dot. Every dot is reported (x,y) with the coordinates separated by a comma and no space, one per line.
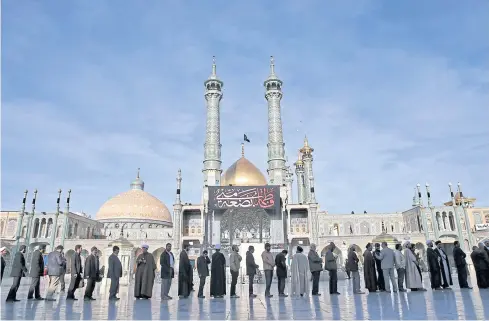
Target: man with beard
(203,269)
(92,273)
(378,265)
(433,266)
(281,272)
(114,273)
(184,273)
(459,258)
(251,267)
(145,274)
(18,272)
(218,273)
(76,273)
(369,269)
(167,261)
(444,265)
(37,270)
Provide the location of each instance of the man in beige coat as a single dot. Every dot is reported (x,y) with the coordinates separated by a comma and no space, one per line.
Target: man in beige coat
(234,266)
(268,264)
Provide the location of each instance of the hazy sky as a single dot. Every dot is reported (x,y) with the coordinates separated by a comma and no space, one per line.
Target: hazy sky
(389,93)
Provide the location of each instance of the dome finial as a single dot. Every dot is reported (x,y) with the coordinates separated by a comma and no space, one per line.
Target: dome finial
(242,149)
(214,69)
(139,169)
(272,66)
(138,183)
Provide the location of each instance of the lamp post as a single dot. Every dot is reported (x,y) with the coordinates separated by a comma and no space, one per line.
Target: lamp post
(55,223)
(19,223)
(30,222)
(67,211)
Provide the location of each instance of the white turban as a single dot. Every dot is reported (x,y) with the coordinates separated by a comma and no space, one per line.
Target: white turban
(406,244)
(145,246)
(429,242)
(218,246)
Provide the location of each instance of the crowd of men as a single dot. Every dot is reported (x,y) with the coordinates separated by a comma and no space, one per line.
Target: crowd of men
(380,264)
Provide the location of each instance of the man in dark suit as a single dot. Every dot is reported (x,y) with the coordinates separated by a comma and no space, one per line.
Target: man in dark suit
(167,262)
(92,273)
(63,272)
(280,262)
(251,267)
(18,271)
(37,271)
(114,273)
(76,273)
(203,269)
(3,250)
(459,258)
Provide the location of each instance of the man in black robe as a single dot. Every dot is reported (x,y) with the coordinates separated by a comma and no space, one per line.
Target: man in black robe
(369,275)
(380,273)
(459,258)
(114,273)
(76,273)
(145,274)
(18,272)
(184,273)
(280,262)
(37,271)
(92,273)
(433,266)
(446,274)
(218,273)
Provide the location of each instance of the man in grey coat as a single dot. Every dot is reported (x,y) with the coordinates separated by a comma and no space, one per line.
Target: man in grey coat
(387,258)
(37,271)
(316,266)
(18,271)
(55,270)
(331,266)
(114,273)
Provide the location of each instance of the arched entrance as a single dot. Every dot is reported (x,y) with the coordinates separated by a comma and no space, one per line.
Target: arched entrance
(337,252)
(245,226)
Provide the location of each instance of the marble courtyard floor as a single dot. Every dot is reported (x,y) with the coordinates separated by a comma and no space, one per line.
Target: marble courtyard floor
(453,304)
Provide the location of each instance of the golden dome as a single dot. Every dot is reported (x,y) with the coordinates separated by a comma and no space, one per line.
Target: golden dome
(243,173)
(135,204)
(306,149)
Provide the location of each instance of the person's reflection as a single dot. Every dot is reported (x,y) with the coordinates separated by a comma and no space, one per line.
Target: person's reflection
(417,305)
(141,310)
(389,307)
(87,310)
(445,305)
(57,309)
(335,307)
(233,311)
(404,305)
(357,299)
(30,310)
(112,310)
(316,306)
(164,311)
(374,306)
(70,314)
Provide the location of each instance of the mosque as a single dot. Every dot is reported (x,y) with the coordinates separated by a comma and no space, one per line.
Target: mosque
(243,206)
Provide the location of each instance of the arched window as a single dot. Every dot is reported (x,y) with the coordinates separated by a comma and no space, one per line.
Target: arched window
(445,220)
(75,230)
(49,230)
(438,221)
(364,228)
(24,231)
(477,218)
(336,229)
(35,231)
(42,229)
(451,221)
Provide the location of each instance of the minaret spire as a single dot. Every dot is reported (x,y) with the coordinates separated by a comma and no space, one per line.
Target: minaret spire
(212,146)
(242,149)
(277,170)
(299,172)
(307,158)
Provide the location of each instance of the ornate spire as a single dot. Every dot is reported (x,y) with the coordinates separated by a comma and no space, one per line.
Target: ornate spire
(138,183)
(306,150)
(415,198)
(213,75)
(242,149)
(178,199)
(299,161)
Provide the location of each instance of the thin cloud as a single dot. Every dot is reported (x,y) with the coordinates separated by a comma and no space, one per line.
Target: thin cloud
(89,99)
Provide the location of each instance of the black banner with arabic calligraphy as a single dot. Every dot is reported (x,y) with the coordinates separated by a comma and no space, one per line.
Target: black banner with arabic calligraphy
(225,197)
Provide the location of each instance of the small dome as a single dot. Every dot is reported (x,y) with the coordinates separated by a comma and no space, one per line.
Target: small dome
(135,204)
(384,237)
(243,173)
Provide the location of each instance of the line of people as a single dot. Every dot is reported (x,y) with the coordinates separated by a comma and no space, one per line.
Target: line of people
(56,269)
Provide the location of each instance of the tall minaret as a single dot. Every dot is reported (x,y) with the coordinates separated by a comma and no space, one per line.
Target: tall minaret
(212,146)
(306,151)
(299,172)
(177,214)
(276,152)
